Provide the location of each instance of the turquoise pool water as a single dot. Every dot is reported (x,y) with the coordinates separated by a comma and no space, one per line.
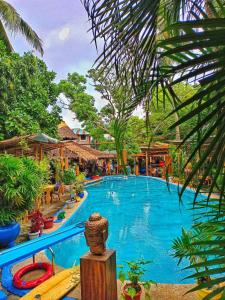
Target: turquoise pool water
(144,217)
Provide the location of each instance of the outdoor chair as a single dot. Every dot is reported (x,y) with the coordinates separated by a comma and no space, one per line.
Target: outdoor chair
(57,192)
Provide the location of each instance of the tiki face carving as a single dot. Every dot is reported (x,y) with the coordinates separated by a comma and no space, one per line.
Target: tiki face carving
(96,233)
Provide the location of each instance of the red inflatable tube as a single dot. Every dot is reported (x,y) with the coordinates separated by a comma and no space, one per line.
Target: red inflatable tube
(21,284)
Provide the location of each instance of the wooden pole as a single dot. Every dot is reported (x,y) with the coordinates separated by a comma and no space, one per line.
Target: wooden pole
(98,276)
(77,170)
(108,167)
(36,151)
(62,157)
(146,162)
(40,153)
(66,163)
(136,167)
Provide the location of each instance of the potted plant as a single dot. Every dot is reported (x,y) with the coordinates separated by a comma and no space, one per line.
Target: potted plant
(34,231)
(48,222)
(71,202)
(44,221)
(132,289)
(188,246)
(21,181)
(80,189)
(37,224)
(79,185)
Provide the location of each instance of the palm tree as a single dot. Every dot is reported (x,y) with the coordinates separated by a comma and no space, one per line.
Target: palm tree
(12,21)
(165,42)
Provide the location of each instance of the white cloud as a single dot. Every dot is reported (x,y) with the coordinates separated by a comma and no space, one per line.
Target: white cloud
(70,119)
(57,36)
(69,31)
(64,33)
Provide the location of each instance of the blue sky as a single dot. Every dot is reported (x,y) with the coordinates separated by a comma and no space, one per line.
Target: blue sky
(63,27)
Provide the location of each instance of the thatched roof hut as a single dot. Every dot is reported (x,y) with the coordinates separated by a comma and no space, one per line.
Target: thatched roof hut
(65,132)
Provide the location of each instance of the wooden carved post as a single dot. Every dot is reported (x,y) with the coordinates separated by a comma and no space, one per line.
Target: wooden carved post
(98,267)
(77,170)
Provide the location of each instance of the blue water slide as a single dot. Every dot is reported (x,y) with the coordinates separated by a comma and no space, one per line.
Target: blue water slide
(29,248)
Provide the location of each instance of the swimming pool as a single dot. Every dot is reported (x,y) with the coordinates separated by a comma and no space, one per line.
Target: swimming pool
(144,217)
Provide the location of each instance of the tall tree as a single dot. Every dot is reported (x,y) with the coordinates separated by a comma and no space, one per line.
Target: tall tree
(28,95)
(13,22)
(120,105)
(113,117)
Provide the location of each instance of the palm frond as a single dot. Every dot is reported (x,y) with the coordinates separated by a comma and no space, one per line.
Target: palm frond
(14,23)
(196,49)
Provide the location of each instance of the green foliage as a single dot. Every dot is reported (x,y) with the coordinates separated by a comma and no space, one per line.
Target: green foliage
(81,103)
(161,119)
(68,176)
(44,166)
(187,245)
(21,181)
(135,135)
(27,96)
(203,245)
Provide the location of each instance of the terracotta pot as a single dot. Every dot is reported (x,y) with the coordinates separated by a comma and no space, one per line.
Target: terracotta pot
(48,222)
(127,297)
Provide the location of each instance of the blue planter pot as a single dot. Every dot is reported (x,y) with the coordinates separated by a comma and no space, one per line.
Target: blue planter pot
(8,234)
(81,195)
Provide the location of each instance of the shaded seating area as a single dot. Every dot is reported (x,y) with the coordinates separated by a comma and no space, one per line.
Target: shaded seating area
(85,158)
(153,160)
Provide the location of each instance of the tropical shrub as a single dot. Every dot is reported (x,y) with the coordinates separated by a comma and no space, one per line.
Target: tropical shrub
(68,176)
(21,181)
(81,177)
